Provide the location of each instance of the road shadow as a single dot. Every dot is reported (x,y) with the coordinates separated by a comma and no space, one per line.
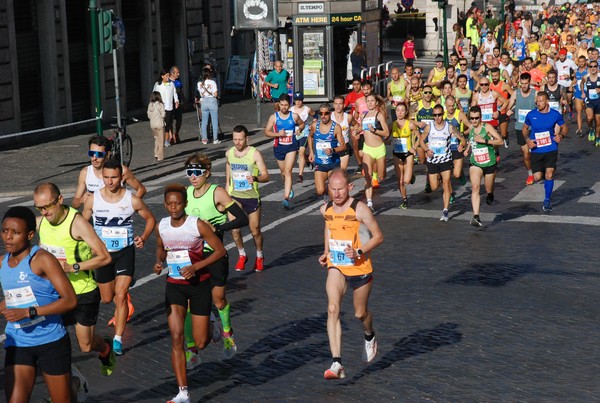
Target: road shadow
(490,274)
(420,342)
(295,255)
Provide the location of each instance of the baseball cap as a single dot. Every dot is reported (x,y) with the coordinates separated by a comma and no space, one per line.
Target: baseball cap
(299,95)
(439,58)
(563,51)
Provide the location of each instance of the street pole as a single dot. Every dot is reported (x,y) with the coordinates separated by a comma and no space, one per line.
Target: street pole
(501,32)
(93,10)
(258,89)
(118,101)
(445,17)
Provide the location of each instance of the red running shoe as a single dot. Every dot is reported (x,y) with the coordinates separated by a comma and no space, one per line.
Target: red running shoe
(259,264)
(241,263)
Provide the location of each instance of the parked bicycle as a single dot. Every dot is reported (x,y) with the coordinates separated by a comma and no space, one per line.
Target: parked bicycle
(121,144)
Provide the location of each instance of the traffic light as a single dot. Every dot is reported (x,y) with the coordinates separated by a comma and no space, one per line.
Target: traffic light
(105,22)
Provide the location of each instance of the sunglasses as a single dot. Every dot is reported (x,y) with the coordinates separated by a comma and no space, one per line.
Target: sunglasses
(427,92)
(593,65)
(484,84)
(48,206)
(194,172)
(463,64)
(437,115)
(418,72)
(97,154)
(474,117)
(324,113)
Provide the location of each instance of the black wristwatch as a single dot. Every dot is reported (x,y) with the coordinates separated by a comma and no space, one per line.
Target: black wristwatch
(76,268)
(359,252)
(32,312)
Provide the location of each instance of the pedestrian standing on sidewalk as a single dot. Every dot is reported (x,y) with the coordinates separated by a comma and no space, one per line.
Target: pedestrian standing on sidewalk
(178,110)
(207,88)
(170,99)
(156,114)
(408,51)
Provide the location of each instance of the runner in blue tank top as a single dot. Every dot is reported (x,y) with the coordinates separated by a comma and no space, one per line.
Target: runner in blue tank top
(325,142)
(36,291)
(283,126)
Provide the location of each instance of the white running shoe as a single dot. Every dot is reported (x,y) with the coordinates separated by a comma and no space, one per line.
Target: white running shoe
(217,332)
(370,350)
(182,397)
(83,389)
(336,371)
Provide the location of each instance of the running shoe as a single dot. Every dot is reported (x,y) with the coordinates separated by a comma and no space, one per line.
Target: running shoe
(259,264)
(579,133)
(452,197)
(204,141)
(506,142)
(217,332)
(462,179)
(547,206)
(107,364)
(530,180)
(229,347)
(489,199)
(241,263)
(192,359)
(413,179)
(444,216)
(182,397)
(336,371)
(167,144)
(292,194)
(83,389)
(300,178)
(592,135)
(216,141)
(375,183)
(370,350)
(427,188)
(598,142)
(370,204)
(286,204)
(117,347)
(111,322)
(404,204)
(476,222)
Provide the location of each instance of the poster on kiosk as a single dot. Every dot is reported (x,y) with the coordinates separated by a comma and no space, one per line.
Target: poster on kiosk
(313,62)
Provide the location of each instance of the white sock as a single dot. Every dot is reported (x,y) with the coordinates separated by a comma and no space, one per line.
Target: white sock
(529,172)
(183,390)
(259,253)
(242,252)
(117,338)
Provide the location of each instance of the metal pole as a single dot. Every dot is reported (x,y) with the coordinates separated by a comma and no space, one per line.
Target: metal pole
(93,10)
(445,17)
(118,101)
(501,32)
(258,124)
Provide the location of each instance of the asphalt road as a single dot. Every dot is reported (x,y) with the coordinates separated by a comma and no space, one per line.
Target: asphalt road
(507,312)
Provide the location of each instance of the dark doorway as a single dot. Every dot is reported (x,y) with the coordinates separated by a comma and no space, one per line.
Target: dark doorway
(341,35)
(78,32)
(136,96)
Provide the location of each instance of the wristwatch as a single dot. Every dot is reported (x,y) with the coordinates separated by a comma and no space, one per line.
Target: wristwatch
(76,268)
(32,312)
(359,252)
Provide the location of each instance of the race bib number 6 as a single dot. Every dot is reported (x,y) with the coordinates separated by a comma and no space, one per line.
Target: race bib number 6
(338,256)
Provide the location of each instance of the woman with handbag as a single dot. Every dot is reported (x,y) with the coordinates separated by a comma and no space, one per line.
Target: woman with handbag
(207,88)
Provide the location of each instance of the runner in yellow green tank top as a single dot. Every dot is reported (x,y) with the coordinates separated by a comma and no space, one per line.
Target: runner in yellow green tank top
(72,240)
(404,134)
(482,140)
(437,75)
(245,169)
(463,94)
(213,204)
(397,90)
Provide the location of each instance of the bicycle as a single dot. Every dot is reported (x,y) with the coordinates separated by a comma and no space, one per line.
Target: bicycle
(121,144)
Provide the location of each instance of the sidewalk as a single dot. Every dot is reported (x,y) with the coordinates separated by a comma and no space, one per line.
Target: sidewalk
(60,161)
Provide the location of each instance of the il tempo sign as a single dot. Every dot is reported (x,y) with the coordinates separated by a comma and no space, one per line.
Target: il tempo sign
(311,8)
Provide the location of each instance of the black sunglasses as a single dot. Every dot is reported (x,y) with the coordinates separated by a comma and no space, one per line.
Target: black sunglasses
(437,115)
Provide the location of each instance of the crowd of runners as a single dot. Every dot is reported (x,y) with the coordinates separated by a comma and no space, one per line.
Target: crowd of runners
(455,122)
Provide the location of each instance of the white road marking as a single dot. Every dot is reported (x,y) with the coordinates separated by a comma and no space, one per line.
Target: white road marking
(534,193)
(593,195)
